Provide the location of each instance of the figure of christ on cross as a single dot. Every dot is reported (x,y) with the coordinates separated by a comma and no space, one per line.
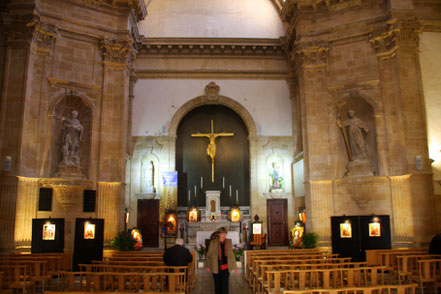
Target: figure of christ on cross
(211,149)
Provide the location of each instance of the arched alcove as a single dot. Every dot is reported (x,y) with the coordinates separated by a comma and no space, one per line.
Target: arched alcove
(231,160)
(63,109)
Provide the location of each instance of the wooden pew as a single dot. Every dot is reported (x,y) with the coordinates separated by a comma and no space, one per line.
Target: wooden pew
(407,266)
(278,281)
(429,271)
(127,282)
(17,277)
(398,289)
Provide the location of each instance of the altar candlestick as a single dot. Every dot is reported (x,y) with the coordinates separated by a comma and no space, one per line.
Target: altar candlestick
(202,182)
(194,190)
(230,191)
(223,182)
(237,195)
(188,196)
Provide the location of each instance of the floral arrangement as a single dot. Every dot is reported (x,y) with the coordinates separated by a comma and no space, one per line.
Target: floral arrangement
(238,251)
(200,249)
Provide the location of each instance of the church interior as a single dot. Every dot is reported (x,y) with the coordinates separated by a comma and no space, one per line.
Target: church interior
(275,119)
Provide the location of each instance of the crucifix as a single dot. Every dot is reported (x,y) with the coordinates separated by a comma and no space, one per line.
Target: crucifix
(211,149)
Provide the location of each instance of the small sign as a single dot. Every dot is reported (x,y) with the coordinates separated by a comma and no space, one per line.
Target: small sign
(257,228)
(169,178)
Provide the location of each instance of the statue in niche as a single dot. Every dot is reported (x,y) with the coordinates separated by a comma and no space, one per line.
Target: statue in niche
(72,134)
(355,131)
(276,179)
(356,136)
(213,206)
(149,178)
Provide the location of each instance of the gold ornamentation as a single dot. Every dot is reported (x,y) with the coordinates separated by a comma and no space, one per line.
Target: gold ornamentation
(396,34)
(43,37)
(118,53)
(211,149)
(310,55)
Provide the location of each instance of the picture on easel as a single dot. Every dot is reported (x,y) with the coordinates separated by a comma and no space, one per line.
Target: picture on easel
(345,230)
(48,232)
(89,231)
(374,230)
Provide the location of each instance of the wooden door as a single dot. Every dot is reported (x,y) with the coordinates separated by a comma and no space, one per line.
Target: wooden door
(277,220)
(148,221)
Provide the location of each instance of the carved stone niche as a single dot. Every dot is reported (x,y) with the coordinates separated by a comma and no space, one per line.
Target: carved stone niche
(71,138)
(356,120)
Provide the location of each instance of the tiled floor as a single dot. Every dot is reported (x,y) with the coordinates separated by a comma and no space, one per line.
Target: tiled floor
(204,284)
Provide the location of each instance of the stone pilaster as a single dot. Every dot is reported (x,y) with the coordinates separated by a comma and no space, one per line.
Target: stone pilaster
(319,207)
(311,63)
(26,208)
(397,46)
(296,113)
(8,192)
(110,207)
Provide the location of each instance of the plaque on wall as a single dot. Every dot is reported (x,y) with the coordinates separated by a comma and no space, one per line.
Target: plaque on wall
(345,230)
(48,232)
(89,231)
(374,230)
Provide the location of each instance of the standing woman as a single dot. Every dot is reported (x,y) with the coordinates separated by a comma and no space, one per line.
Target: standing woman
(220,261)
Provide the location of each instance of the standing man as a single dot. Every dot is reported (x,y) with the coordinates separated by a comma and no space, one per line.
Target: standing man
(177,255)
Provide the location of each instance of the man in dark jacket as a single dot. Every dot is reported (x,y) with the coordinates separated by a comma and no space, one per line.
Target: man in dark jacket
(177,255)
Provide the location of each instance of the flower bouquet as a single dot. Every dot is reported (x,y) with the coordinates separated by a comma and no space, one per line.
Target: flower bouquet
(238,251)
(201,250)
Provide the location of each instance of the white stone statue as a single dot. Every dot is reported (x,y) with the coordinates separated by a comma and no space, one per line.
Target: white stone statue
(72,134)
(356,137)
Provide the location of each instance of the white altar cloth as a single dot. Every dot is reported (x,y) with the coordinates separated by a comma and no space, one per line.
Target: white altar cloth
(202,235)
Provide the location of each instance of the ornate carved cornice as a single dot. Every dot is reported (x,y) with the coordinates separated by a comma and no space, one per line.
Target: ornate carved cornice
(201,46)
(118,53)
(396,34)
(17,28)
(43,37)
(138,6)
(310,55)
(292,6)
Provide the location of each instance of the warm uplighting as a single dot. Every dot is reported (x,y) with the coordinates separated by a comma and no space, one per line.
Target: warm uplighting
(171,223)
(193,214)
(234,214)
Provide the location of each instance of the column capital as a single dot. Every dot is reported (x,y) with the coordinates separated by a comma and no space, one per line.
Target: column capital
(43,37)
(118,53)
(310,55)
(404,34)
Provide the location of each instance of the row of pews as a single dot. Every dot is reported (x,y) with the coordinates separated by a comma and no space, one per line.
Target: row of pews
(142,271)
(28,272)
(318,271)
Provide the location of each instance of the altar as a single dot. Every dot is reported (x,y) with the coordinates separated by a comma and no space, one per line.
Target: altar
(201,236)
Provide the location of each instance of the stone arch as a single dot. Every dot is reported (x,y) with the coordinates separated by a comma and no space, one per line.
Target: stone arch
(206,100)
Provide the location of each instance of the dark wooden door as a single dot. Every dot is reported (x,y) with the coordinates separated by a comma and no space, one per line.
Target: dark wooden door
(277,210)
(148,221)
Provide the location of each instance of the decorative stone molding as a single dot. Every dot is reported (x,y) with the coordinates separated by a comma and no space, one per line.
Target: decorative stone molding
(43,37)
(138,6)
(17,26)
(310,55)
(118,53)
(212,91)
(396,34)
(204,100)
(205,46)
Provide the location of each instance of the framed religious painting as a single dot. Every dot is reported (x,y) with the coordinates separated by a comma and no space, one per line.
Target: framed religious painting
(48,232)
(345,230)
(257,228)
(374,230)
(89,231)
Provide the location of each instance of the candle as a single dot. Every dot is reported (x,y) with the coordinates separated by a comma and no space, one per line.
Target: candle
(237,195)
(202,182)
(230,191)
(223,182)
(194,190)
(188,195)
